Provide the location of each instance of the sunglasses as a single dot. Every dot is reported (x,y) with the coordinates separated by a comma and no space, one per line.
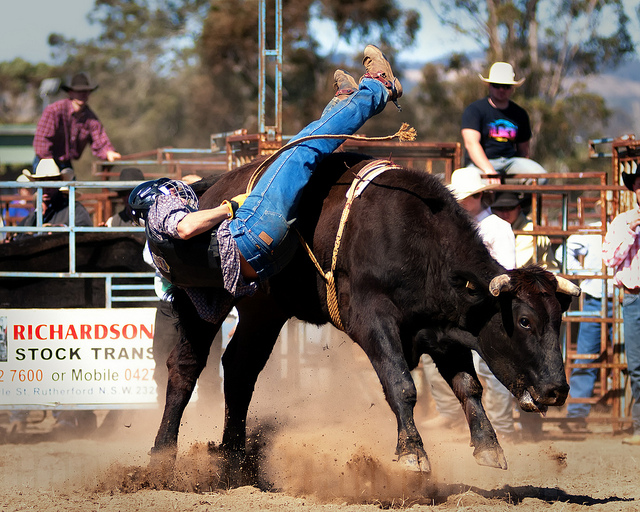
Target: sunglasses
(501,86)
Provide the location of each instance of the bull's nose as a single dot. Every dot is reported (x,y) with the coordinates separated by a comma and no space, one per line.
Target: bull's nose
(555,395)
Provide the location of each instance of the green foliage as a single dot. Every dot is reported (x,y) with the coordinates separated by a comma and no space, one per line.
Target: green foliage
(171,72)
(378,20)
(229,48)
(18,74)
(547,42)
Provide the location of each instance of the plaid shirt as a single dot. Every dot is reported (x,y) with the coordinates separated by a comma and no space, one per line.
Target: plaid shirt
(62,134)
(212,304)
(621,251)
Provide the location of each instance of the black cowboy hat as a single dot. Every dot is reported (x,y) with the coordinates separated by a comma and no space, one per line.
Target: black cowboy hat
(629,179)
(80,83)
(506,200)
(129,174)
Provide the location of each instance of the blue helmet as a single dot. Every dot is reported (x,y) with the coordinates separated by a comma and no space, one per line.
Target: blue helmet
(144,195)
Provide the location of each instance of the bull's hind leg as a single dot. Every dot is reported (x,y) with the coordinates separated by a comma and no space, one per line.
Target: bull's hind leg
(456,367)
(376,331)
(244,358)
(185,363)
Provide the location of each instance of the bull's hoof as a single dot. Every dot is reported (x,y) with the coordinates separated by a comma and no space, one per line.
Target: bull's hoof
(163,460)
(413,462)
(492,457)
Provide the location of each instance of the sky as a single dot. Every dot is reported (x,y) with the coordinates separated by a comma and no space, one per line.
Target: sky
(26,24)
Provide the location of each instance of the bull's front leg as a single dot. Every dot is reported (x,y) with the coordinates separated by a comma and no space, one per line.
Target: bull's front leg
(377,332)
(456,367)
(243,360)
(185,363)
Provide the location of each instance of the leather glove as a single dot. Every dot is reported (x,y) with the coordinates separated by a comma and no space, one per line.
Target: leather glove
(234,203)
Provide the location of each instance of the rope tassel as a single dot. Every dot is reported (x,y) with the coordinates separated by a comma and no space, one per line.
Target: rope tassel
(406,133)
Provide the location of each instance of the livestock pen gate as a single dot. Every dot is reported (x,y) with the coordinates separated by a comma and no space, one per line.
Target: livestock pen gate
(582,203)
(564,205)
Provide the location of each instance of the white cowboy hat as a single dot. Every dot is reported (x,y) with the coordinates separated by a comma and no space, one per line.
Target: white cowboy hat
(502,73)
(22,178)
(466,182)
(48,170)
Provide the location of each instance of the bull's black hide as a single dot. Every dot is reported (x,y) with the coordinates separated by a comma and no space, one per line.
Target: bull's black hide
(95,252)
(413,277)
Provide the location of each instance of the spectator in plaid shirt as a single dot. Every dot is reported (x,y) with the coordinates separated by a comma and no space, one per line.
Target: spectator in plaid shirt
(68,125)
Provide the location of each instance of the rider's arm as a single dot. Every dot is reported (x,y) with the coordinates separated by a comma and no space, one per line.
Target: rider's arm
(198,222)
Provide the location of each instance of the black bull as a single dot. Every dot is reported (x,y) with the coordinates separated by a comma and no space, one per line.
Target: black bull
(412,277)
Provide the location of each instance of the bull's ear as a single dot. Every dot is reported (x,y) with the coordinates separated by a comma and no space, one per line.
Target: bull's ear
(565,292)
(565,300)
(467,284)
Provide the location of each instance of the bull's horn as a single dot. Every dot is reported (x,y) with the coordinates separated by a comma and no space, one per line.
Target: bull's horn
(499,283)
(566,286)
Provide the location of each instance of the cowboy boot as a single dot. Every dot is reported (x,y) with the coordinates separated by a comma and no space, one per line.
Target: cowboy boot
(378,68)
(344,84)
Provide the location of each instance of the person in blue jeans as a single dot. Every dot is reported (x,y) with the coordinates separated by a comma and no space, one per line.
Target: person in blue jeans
(252,240)
(621,251)
(589,247)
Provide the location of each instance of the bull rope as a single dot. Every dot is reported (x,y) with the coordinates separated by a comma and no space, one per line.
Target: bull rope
(406,133)
(374,168)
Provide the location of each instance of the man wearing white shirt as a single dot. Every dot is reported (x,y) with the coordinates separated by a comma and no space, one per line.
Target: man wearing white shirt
(468,188)
(589,247)
(497,235)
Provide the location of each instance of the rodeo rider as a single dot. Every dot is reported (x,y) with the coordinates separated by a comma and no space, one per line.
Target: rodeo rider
(251,242)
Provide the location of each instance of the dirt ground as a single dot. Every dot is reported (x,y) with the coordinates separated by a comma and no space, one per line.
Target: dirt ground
(326,447)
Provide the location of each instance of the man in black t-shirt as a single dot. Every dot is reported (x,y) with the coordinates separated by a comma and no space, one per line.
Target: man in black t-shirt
(496,131)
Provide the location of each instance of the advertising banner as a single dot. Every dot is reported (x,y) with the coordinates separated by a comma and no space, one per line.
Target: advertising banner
(77,358)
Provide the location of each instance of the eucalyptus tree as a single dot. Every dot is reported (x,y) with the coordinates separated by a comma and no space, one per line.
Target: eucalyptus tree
(555,45)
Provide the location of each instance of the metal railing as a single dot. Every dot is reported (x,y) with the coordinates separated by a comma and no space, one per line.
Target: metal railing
(557,209)
(111,278)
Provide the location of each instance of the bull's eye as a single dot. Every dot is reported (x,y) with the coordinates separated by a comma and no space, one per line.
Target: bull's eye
(524,323)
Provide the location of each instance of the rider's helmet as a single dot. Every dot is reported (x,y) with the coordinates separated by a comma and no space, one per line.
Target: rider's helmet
(144,195)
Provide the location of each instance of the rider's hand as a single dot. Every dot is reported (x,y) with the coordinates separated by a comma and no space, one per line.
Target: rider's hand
(234,204)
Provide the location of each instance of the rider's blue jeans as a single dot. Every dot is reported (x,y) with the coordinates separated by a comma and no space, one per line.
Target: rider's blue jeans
(261,225)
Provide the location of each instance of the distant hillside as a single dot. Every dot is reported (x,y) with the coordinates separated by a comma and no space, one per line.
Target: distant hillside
(621,90)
